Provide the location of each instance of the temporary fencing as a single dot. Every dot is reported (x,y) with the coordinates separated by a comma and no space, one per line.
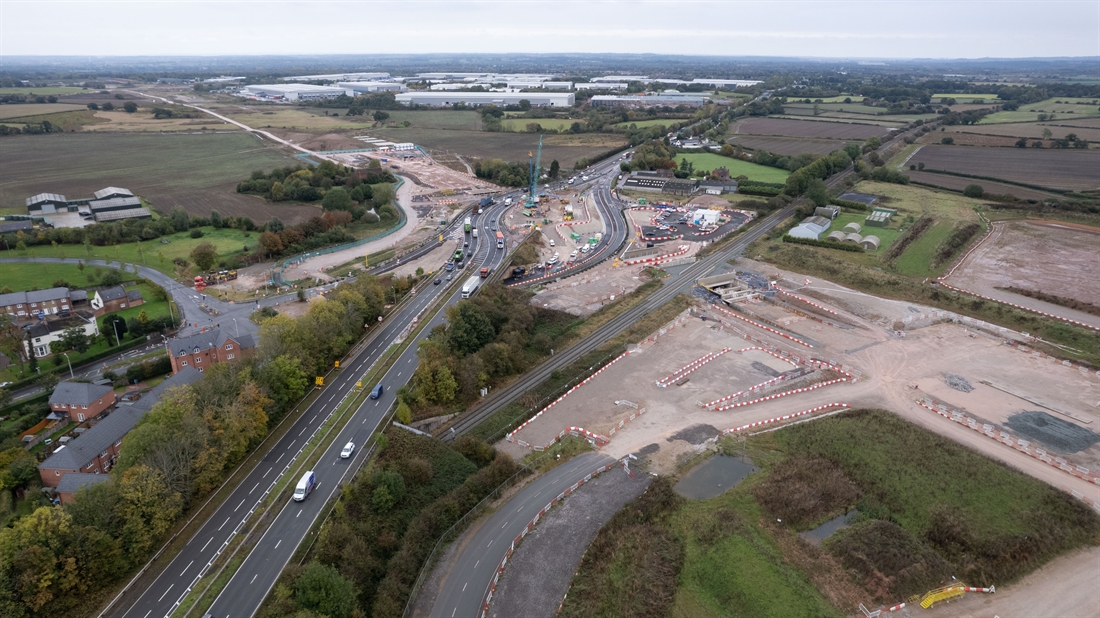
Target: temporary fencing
(805,300)
(531,526)
(658,259)
(785,417)
(778,395)
(690,367)
(1008,439)
(757,324)
(511,435)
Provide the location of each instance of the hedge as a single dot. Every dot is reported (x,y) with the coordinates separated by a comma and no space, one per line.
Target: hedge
(828,244)
(850,204)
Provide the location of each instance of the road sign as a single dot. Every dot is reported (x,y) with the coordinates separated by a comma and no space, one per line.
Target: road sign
(319,380)
(336,364)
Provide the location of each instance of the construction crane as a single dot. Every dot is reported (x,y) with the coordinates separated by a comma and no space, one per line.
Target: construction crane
(533,165)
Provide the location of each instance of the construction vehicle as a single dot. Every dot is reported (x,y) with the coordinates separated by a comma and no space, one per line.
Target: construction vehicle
(568,212)
(221,276)
(470,286)
(200,285)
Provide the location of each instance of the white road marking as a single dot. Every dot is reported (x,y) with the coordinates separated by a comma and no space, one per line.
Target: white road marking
(165,593)
(277,543)
(224,522)
(280,457)
(204,546)
(477,563)
(186,567)
(239,506)
(253,489)
(147,614)
(265,473)
(313,419)
(464,586)
(299,513)
(490,542)
(333,395)
(505,524)
(453,613)
(303,430)
(253,578)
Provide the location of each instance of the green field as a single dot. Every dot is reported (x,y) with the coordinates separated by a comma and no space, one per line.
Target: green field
(1068,109)
(15,110)
(44,91)
(151,253)
(21,277)
(886,235)
(965,98)
(710,161)
(322,119)
(520,124)
(196,172)
(641,124)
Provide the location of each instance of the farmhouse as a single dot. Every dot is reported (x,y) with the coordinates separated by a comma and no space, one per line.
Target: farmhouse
(82,401)
(97,449)
(718,187)
(811,228)
(107,204)
(208,347)
(647,181)
(42,334)
(114,299)
(117,207)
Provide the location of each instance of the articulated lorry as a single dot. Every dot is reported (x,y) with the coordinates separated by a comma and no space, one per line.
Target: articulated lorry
(470,286)
(500,240)
(469,224)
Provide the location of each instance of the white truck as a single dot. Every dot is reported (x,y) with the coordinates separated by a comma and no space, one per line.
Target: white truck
(470,286)
(475,232)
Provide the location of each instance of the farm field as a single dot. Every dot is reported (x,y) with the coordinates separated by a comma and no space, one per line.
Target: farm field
(566,149)
(143,120)
(710,161)
(872,121)
(15,110)
(312,118)
(965,98)
(48,90)
(788,145)
(641,124)
(1054,169)
(958,183)
(196,172)
(1030,130)
(804,128)
(73,120)
(22,277)
(1066,108)
(519,125)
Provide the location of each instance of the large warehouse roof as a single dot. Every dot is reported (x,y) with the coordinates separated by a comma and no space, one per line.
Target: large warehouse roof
(292,92)
(343,77)
(538,99)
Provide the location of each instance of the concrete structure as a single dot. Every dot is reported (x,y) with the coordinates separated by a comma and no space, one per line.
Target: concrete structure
(26,307)
(206,348)
(810,228)
(290,92)
(879,217)
(356,88)
(42,334)
(829,212)
(115,299)
(837,236)
(440,99)
(870,243)
(73,481)
(726,83)
(81,401)
(97,449)
(729,287)
(853,238)
(654,100)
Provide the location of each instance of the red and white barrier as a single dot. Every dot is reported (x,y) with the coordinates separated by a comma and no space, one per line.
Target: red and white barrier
(778,395)
(657,259)
(895,608)
(807,301)
(750,389)
(767,328)
(531,526)
(785,417)
(618,358)
(690,367)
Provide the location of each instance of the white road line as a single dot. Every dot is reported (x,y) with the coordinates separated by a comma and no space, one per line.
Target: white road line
(299,514)
(464,586)
(239,506)
(505,524)
(490,542)
(147,614)
(165,593)
(453,613)
(280,457)
(477,563)
(224,522)
(253,578)
(265,473)
(186,567)
(333,395)
(313,419)
(253,489)
(277,544)
(303,430)
(204,546)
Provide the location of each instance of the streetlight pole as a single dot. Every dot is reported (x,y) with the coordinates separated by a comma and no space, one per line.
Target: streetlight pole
(114,324)
(237,328)
(66,355)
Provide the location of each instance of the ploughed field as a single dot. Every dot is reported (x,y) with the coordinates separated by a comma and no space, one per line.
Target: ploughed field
(787,145)
(808,128)
(1072,170)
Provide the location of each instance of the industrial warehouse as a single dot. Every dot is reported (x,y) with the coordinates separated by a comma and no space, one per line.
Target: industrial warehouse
(441,99)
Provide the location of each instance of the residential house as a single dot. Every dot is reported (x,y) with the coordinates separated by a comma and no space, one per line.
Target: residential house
(27,307)
(97,449)
(81,401)
(73,481)
(208,347)
(115,299)
(42,334)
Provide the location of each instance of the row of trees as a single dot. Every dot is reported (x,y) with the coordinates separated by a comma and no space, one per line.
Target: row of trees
(54,558)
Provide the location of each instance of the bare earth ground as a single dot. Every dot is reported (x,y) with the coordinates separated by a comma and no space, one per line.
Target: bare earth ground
(585,293)
(539,574)
(1065,266)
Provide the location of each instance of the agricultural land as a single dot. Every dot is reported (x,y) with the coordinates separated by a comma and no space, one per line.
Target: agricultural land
(1061,170)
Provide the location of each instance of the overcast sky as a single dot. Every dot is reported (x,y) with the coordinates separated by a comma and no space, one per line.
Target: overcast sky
(824,28)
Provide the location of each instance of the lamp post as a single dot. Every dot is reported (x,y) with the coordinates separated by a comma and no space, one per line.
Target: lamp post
(66,355)
(237,328)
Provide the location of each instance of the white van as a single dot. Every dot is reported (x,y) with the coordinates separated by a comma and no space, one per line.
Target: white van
(305,486)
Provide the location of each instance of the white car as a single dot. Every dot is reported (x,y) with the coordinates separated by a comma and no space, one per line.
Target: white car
(349,448)
(552,242)
(574,254)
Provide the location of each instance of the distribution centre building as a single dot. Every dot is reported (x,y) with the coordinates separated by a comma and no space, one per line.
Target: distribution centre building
(291,92)
(356,88)
(440,99)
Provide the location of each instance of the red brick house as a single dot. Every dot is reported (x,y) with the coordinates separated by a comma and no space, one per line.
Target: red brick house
(208,347)
(73,481)
(82,401)
(110,300)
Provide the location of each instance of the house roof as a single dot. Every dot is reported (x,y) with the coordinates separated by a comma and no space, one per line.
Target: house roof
(78,393)
(36,296)
(77,453)
(110,191)
(133,295)
(44,197)
(113,293)
(75,480)
(213,338)
(15,226)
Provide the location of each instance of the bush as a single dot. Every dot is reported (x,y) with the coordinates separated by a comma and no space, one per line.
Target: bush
(850,204)
(828,244)
(973,191)
(899,246)
(196,233)
(805,491)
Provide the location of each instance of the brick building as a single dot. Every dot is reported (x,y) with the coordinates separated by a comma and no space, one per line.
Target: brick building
(73,481)
(27,307)
(208,347)
(97,449)
(114,299)
(82,401)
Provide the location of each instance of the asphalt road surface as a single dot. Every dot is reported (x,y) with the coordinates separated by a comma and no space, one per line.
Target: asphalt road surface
(462,590)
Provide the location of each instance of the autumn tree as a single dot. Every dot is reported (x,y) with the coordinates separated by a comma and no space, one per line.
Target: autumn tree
(204,255)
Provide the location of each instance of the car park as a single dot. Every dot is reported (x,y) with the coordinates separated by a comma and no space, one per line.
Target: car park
(349,448)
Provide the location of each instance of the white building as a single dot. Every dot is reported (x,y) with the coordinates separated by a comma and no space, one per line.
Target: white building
(42,334)
(440,99)
(600,86)
(541,84)
(339,77)
(811,228)
(356,88)
(290,92)
(704,217)
(727,83)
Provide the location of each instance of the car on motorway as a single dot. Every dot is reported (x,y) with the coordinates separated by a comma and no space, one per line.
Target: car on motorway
(305,486)
(349,448)
(465,243)
(450,266)
(450,276)
(377,392)
(437,282)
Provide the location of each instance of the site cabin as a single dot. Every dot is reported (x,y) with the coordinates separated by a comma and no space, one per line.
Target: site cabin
(470,286)
(500,240)
(305,486)
(468,225)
